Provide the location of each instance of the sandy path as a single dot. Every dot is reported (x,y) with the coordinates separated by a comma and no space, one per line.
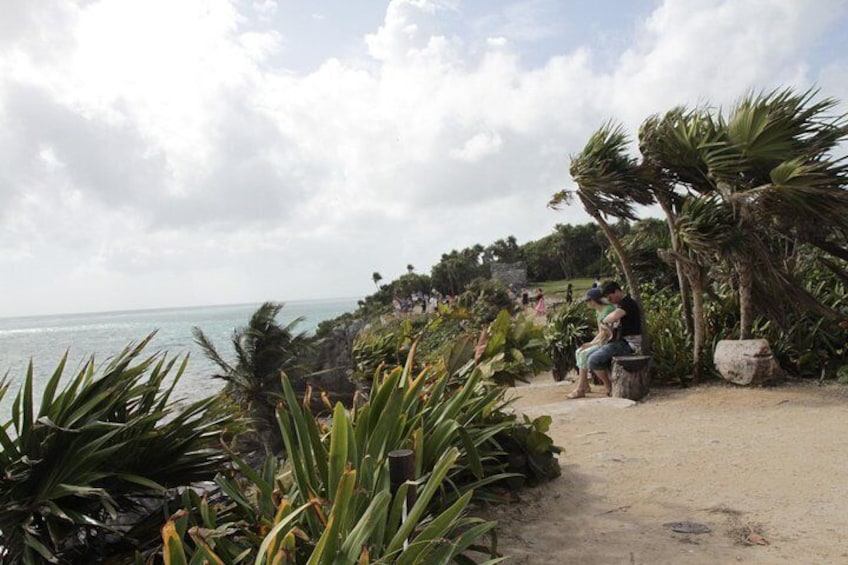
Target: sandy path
(767,461)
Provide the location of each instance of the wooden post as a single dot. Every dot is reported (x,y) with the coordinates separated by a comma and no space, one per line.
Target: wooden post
(631,375)
(402,469)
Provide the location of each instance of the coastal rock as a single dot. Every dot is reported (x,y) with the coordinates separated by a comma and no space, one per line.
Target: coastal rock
(335,365)
(745,361)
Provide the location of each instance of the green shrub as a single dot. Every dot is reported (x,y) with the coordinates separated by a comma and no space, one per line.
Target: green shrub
(485,299)
(333,501)
(515,349)
(91,451)
(567,328)
(671,346)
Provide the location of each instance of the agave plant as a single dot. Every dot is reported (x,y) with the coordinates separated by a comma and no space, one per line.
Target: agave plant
(94,450)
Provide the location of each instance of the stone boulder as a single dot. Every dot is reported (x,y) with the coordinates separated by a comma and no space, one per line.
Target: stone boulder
(745,361)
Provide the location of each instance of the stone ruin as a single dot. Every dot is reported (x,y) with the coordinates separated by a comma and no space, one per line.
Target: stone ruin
(511,274)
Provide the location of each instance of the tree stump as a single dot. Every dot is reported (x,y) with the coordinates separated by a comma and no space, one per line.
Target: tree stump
(631,375)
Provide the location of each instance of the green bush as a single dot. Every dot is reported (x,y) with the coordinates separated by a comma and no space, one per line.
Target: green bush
(671,346)
(515,348)
(485,299)
(567,328)
(92,451)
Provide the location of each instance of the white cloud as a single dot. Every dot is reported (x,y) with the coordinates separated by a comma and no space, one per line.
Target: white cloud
(156,154)
(714,51)
(480,146)
(265,8)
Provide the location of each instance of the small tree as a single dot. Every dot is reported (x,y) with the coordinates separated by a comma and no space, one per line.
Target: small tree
(263,350)
(376,277)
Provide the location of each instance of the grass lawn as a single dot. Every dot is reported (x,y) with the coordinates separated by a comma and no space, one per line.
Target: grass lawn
(556,289)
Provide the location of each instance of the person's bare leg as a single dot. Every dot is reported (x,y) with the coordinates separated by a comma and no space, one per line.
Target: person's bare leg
(582,384)
(603,374)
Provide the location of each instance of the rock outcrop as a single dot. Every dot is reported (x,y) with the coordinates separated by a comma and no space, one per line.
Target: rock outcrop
(745,361)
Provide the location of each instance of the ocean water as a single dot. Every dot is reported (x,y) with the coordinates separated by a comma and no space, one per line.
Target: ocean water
(44,339)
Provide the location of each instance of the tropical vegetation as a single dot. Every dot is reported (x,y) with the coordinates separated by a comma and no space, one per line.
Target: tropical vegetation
(95,452)
(756,208)
(107,466)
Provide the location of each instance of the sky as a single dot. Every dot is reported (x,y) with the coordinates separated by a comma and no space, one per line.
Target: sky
(159,153)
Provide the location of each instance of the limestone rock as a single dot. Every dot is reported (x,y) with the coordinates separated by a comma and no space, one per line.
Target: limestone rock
(745,361)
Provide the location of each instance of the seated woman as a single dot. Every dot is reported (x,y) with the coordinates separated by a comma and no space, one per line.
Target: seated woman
(594,300)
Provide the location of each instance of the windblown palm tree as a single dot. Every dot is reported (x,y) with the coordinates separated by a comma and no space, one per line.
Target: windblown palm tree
(263,350)
(609,183)
(770,163)
(670,162)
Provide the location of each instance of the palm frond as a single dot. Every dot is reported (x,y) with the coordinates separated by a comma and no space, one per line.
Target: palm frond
(609,181)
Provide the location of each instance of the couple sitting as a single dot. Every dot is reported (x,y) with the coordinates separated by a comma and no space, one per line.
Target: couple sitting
(619,333)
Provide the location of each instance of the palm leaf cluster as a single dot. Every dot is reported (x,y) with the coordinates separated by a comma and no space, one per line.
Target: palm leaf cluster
(95,450)
(263,349)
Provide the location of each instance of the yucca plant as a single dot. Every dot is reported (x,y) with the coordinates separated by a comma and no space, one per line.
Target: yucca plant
(92,452)
(425,413)
(384,532)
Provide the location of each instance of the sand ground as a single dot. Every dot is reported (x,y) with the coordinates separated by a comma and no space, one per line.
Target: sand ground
(765,469)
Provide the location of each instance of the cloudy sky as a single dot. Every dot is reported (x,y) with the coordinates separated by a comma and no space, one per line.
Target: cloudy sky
(165,153)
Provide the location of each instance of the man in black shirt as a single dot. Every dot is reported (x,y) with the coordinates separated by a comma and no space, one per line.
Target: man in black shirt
(626,320)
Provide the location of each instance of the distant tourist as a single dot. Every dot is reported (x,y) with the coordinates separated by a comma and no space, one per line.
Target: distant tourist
(569,293)
(540,302)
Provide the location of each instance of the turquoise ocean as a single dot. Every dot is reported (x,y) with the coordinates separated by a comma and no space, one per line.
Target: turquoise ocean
(44,339)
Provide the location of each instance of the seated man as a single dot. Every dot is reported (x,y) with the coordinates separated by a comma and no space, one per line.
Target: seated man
(626,321)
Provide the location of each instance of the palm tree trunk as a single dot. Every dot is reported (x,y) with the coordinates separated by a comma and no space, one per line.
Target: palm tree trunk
(746,308)
(628,274)
(682,280)
(694,273)
(699,333)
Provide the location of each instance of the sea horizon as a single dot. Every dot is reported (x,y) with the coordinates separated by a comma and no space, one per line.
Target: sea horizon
(166,308)
(44,339)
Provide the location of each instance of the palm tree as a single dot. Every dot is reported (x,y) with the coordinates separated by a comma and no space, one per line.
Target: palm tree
(659,145)
(609,183)
(771,163)
(263,350)
(410,268)
(706,232)
(376,277)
